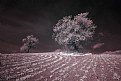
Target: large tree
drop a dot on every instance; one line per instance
(74, 33)
(29, 42)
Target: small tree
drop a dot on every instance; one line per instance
(74, 33)
(29, 42)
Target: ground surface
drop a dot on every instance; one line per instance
(55, 67)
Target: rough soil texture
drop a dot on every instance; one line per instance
(56, 67)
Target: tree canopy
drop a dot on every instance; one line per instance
(74, 32)
(29, 42)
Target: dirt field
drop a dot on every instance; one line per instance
(56, 67)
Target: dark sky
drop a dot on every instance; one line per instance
(19, 18)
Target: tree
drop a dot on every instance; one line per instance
(29, 42)
(74, 33)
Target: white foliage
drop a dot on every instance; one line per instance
(77, 29)
(29, 42)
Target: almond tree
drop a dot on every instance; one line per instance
(29, 42)
(73, 33)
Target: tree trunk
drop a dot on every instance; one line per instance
(28, 50)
